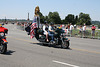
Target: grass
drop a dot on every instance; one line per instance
(88, 33)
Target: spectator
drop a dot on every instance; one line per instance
(71, 28)
(84, 30)
(17, 23)
(93, 30)
(75, 27)
(63, 26)
(66, 29)
(28, 28)
(80, 30)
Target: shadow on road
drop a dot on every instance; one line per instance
(58, 46)
(38, 44)
(9, 52)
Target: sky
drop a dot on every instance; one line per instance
(18, 9)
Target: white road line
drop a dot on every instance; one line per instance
(64, 63)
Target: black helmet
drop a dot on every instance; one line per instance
(45, 22)
(51, 23)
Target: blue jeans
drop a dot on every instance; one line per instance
(51, 34)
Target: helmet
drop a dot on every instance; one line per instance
(51, 23)
(45, 22)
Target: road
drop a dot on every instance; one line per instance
(26, 52)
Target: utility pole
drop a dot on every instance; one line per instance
(16, 20)
(5, 20)
(28, 18)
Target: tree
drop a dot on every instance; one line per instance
(46, 18)
(54, 17)
(63, 21)
(41, 17)
(84, 18)
(76, 19)
(69, 19)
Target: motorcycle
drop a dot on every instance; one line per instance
(3, 43)
(59, 39)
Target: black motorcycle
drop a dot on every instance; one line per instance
(59, 39)
(3, 43)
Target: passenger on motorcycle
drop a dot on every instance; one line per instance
(51, 31)
(2, 29)
(45, 29)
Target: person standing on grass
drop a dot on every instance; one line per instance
(84, 30)
(63, 27)
(80, 30)
(93, 30)
(75, 27)
(71, 28)
(66, 29)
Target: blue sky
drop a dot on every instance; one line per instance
(13, 9)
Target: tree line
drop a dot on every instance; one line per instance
(70, 18)
(54, 17)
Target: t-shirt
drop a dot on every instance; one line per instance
(84, 28)
(63, 27)
(71, 27)
(93, 28)
(68, 26)
(51, 28)
(44, 29)
(81, 29)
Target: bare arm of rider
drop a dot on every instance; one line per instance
(50, 29)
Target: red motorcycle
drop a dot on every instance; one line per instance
(3, 43)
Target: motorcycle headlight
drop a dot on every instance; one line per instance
(2, 34)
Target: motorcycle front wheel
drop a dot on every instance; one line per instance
(3, 48)
(65, 45)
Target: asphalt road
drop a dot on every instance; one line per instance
(26, 52)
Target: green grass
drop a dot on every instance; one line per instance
(88, 33)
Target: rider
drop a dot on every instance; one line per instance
(51, 31)
(45, 29)
(2, 29)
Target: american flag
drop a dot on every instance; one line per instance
(32, 33)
